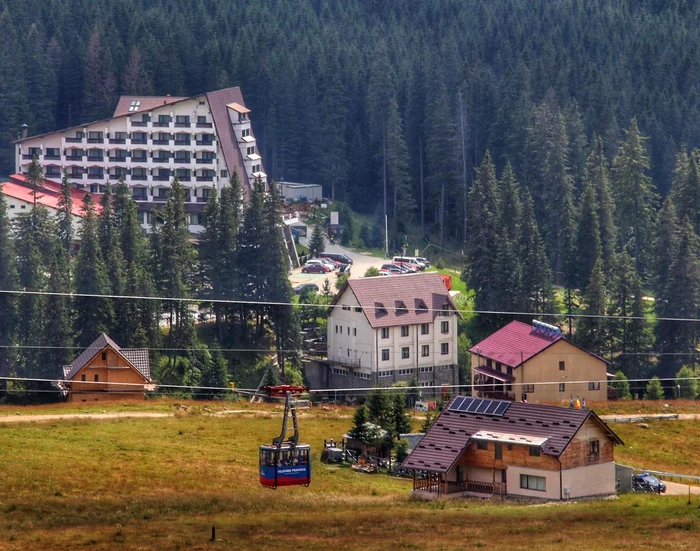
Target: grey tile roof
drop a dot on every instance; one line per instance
(138, 358)
(451, 431)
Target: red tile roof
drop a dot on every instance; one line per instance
(451, 431)
(218, 103)
(147, 103)
(399, 300)
(513, 344)
(516, 343)
(53, 189)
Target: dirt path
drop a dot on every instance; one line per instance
(64, 416)
(676, 489)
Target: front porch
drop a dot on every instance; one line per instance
(436, 485)
(492, 383)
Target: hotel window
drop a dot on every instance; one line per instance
(529, 482)
(562, 366)
(424, 329)
(445, 348)
(250, 150)
(245, 132)
(404, 330)
(445, 327)
(385, 354)
(594, 386)
(562, 387)
(425, 350)
(405, 353)
(385, 332)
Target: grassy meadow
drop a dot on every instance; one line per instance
(162, 483)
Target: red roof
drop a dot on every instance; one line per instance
(147, 103)
(18, 188)
(400, 300)
(516, 343)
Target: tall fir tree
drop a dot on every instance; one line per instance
(403, 204)
(66, 231)
(8, 302)
(635, 197)
(591, 329)
(588, 235)
(597, 174)
(666, 245)
(93, 315)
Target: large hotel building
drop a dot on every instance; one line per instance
(150, 140)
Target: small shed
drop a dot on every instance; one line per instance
(294, 191)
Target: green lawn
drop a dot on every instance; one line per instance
(162, 483)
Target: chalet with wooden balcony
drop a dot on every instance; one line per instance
(485, 447)
(104, 371)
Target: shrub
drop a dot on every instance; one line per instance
(654, 390)
(621, 386)
(440, 263)
(401, 449)
(372, 271)
(688, 387)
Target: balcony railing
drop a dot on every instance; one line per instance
(117, 140)
(52, 157)
(139, 123)
(98, 158)
(74, 158)
(187, 124)
(96, 140)
(139, 141)
(140, 197)
(183, 142)
(161, 178)
(205, 142)
(74, 140)
(28, 157)
(183, 161)
(118, 159)
(204, 125)
(95, 176)
(161, 124)
(161, 142)
(139, 177)
(161, 159)
(205, 178)
(351, 362)
(202, 199)
(53, 173)
(139, 159)
(160, 198)
(185, 178)
(205, 161)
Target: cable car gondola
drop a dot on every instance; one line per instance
(285, 462)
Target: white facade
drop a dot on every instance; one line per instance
(17, 207)
(388, 353)
(148, 148)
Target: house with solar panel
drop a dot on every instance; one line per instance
(104, 371)
(538, 363)
(483, 447)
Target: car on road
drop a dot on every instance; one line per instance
(646, 482)
(306, 288)
(332, 266)
(315, 269)
(338, 257)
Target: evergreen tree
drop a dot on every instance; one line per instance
(99, 94)
(597, 174)
(403, 204)
(135, 79)
(359, 427)
(621, 386)
(589, 242)
(635, 196)
(687, 195)
(317, 243)
(666, 246)
(654, 390)
(680, 300)
(35, 178)
(65, 215)
(590, 330)
(215, 374)
(427, 422)
(379, 408)
(401, 423)
(8, 302)
(93, 315)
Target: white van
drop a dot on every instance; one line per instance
(408, 260)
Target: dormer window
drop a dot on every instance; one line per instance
(401, 307)
(379, 308)
(134, 106)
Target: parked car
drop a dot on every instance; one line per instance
(424, 261)
(315, 269)
(410, 266)
(345, 269)
(338, 257)
(306, 287)
(392, 269)
(410, 260)
(646, 482)
(327, 263)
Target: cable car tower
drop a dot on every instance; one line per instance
(286, 462)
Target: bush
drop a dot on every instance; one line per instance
(372, 271)
(440, 263)
(687, 386)
(342, 278)
(401, 449)
(654, 390)
(365, 237)
(621, 386)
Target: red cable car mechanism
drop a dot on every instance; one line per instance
(285, 462)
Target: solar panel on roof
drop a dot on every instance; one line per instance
(475, 404)
(492, 407)
(467, 402)
(483, 406)
(457, 402)
(501, 409)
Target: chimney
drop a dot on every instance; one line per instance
(24, 131)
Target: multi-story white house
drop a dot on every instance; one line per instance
(201, 139)
(387, 329)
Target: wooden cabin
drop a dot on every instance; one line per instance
(486, 447)
(104, 371)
